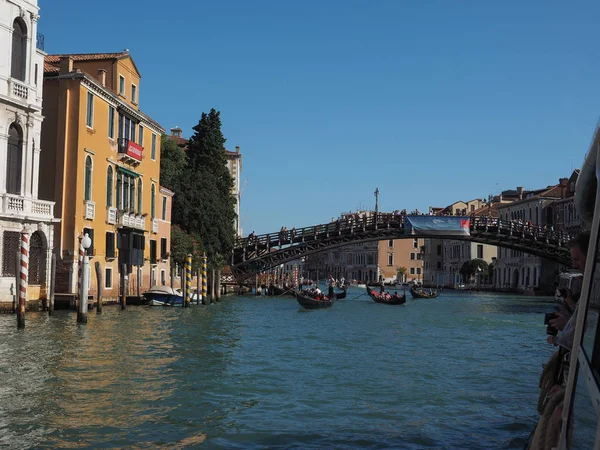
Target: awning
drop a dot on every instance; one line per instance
(131, 173)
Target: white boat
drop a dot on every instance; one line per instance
(163, 296)
(363, 286)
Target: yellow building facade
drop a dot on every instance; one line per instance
(101, 165)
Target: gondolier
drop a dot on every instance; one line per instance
(330, 284)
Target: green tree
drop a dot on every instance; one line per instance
(470, 268)
(207, 207)
(172, 164)
(401, 274)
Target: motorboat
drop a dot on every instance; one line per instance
(163, 296)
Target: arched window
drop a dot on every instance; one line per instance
(37, 258)
(153, 202)
(109, 186)
(19, 50)
(139, 196)
(132, 193)
(14, 159)
(87, 181)
(119, 190)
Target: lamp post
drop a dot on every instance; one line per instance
(86, 243)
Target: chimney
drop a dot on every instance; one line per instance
(102, 76)
(563, 182)
(520, 192)
(237, 148)
(66, 65)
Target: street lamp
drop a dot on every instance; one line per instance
(86, 243)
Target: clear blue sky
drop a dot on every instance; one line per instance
(431, 101)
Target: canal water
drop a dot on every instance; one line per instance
(457, 372)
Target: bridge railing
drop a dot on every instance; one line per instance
(351, 224)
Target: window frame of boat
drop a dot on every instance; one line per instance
(583, 367)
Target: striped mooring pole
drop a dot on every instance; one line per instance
(24, 277)
(204, 280)
(188, 279)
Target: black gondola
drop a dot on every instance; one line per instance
(312, 303)
(340, 295)
(423, 294)
(392, 301)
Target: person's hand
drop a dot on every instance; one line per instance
(560, 321)
(552, 340)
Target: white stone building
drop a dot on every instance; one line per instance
(21, 71)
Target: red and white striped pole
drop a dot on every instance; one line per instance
(24, 277)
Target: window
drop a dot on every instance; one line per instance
(480, 251)
(131, 193)
(110, 245)
(153, 152)
(164, 208)
(439, 265)
(35, 75)
(89, 117)
(439, 250)
(133, 93)
(152, 251)
(415, 243)
(87, 180)
(111, 122)
(119, 190)
(121, 85)
(141, 135)
(163, 249)
(108, 272)
(153, 201)
(391, 243)
(419, 257)
(418, 271)
(139, 196)
(14, 159)
(412, 270)
(412, 256)
(472, 208)
(163, 277)
(90, 233)
(19, 50)
(109, 186)
(390, 259)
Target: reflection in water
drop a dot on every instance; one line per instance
(457, 372)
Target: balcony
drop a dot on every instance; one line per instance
(16, 205)
(155, 226)
(132, 220)
(130, 152)
(18, 90)
(111, 215)
(90, 210)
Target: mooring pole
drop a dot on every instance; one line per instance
(123, 296)
(24, 274)
(98, 268)
(204, 280)
(188, 279)
(86, 242)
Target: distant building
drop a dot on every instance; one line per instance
(519, 271)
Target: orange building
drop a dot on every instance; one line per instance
(102, 168)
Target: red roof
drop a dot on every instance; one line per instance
(51, 62)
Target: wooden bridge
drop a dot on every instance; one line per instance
(257, 253)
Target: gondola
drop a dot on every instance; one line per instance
(392, 301)
(423, 294)
(340, 295)
(312, 303)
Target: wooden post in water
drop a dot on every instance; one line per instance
(212, 287)
(17, 281)
(218, 288)
(139, 283)
(172, 278)
(98, 268)
(198, 286)
(204, 280)
(123, 295)
(188, 280)
(52, 284)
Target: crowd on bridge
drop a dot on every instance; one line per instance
(351, 222)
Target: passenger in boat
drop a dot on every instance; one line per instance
(565, 321)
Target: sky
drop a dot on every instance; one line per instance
(431, 101)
